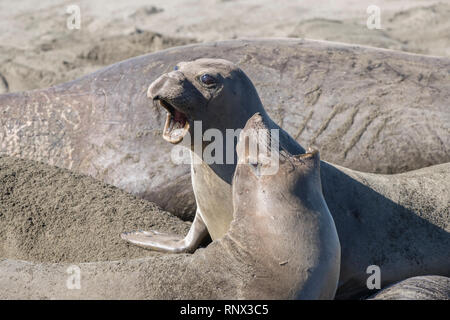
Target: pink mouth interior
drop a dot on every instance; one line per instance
(176, 125)
(180, 118)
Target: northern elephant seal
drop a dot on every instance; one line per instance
(398, 222)
(361, 105)
(282, 219)
(417, 288)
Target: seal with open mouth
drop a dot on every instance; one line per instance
(211, 91)
(398, 222)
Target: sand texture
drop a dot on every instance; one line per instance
(54, 215)
(38, 50)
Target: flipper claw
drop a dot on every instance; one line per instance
(156, 240)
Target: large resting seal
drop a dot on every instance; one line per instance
(368, 109)
(398, 222)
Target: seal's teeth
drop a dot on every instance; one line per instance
(177, 134)
(176, 126)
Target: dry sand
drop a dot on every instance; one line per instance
(37, 49)
(49, 214)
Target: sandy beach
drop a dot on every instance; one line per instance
(38, 50)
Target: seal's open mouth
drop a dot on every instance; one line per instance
(176, 125)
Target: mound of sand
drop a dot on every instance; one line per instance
(51, 62)
(53, 215)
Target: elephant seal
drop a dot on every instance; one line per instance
(100, 125)
(281, 244)
(282, 217)
(282, 220)
(417, 288)
(397, 222)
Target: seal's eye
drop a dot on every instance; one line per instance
(207, 79)
(175, 68)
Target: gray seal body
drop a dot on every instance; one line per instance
(417, 288)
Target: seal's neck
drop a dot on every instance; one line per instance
(224, 157)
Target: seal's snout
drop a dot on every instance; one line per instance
(155, 87)
(149, 93)
(162, 91)
(165, 84)
(257, 148)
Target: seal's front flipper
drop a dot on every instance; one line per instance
(170, 243)
(155, 240)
